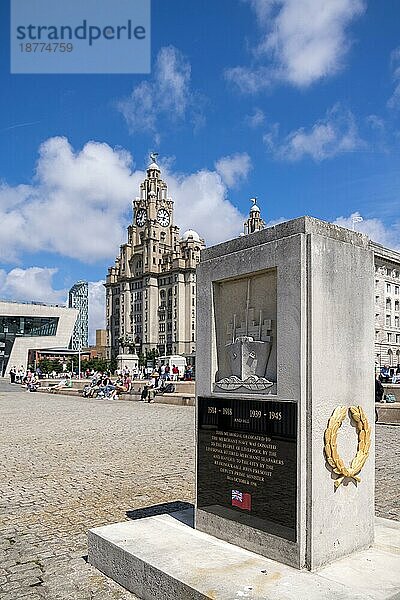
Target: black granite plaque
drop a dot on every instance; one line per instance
(246, 462)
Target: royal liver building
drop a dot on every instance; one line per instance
(151, 289)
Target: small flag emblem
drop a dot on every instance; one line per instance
(241, 500)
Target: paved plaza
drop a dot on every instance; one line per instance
(68, 464)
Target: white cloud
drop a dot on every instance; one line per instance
(168, 95)
(302, 42)
(201, 203)
(375, 229)
(234, 168)
(80, 201)
(76, 205)
(256, 119)
(34, 284)
(337, 133)
(97, 308)
(250, 80)
(394, 100)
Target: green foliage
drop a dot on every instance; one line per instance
(97, 364)
(150, 355)
(48, 366)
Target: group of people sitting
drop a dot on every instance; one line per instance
(25, 377)
(388, 375)
(20, 375)
(101, 386)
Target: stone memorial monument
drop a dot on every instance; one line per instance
(284, 432)
(286, 337)
(127, 358)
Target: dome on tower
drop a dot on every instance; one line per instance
(254, 208)
(190, 234)
(153, 166)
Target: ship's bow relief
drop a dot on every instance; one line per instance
(246, 350)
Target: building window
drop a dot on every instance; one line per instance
(29, 326)
(397, 338)
(396, 305)
(388, 321)
(376, 299)
(396, 321)
(388, 288)
(389, 337)
(396, 290)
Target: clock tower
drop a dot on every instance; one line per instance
(153, 218)
(150, 290)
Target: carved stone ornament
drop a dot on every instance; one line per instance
(248, 347)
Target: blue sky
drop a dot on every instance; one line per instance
(296, 102)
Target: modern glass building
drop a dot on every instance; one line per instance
(26, 326)
(78, 297)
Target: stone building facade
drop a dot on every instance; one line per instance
(387, 306)
(151, 288)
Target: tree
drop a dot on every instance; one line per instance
(97, 364)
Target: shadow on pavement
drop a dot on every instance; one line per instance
(182, 511)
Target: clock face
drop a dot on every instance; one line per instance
(163, 217)
(141, 217)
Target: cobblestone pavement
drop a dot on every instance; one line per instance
(68, 464)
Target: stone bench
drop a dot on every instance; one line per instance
(388, 414)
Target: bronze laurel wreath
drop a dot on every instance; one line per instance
(364, 442)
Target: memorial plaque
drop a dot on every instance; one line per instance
(246, 462)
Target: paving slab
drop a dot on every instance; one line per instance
(161, 557)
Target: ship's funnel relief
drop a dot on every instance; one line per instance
(248, 344)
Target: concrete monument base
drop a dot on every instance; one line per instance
(130, 361)
(161, 557)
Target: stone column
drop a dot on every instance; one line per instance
(300, 297)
